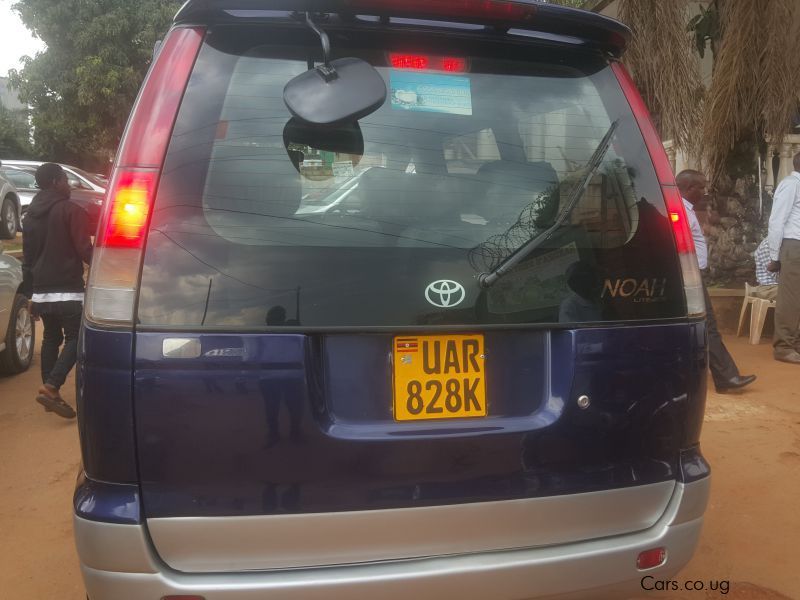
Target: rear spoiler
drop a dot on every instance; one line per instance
(592, 29)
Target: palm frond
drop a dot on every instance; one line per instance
(756, 75)
(665, 67)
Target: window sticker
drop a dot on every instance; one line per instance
(427, 92)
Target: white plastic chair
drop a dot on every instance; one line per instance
(757, 317)
(748, 300)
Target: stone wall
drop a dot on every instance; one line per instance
(733, 229)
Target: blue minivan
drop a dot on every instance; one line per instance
(390, 299)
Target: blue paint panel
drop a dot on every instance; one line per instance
(356, 369)
(106, 502)
(271, 424)
(105, 405)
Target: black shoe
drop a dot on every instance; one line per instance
(56, 405)
(735, 383)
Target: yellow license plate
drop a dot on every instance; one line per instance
(439, 377)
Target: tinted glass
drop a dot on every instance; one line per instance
(259, 223)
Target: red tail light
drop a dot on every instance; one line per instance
(114, 277)
(150, 127)
(408, 61)
(692, 282)
(129, 199)
(680, 223)
(454, 65)
(649, 559)
(427, 62)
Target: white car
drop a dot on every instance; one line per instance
(10, 209)
(17, 329)
(24, 179)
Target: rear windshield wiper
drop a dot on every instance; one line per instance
(488, 279)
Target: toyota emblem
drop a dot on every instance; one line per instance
(445, 293)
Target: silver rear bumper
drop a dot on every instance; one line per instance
(118, 563)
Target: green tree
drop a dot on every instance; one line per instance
(82, 87)
(14, 135)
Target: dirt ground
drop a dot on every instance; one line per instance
(752, 441)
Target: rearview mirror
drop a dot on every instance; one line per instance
(355, 91)
(336, 92)
(344, 140)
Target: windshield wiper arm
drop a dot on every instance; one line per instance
(488, 279)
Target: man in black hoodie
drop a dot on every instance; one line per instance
(56, 244)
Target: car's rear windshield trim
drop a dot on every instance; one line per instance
(600, 31)
(408, 329)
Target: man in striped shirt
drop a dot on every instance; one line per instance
(767, 288)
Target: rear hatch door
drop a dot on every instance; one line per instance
(320, 378)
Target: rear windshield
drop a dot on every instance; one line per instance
(476, 151)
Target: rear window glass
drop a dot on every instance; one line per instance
(472, 155)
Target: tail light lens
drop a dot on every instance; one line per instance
(130, 198)
(114, 277)
(423, 62)
(409, 61)
(150, 126)
(692, 282)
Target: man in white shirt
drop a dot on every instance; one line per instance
(692, 185)
(784, 249)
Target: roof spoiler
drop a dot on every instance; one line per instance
(596, 30)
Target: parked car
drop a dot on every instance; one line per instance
(87, 190)
(24, 179)
(102, 179)
(10, 209)
(17, 329)
(479, 374)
